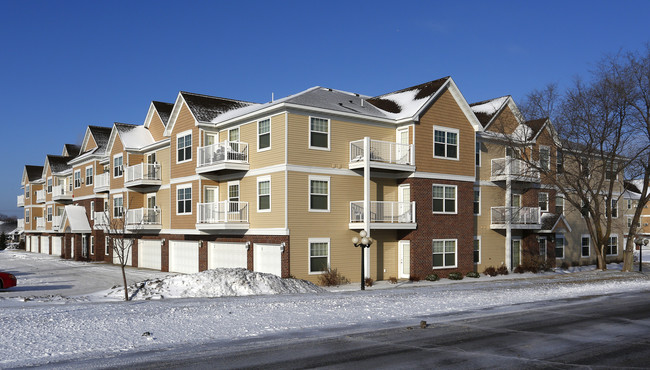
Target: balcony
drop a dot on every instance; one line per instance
(383, 155)
(100, 220)
(102, 182)
(20, 202)
(224, 215)
(143, 174)
(21, 224)
(40, 196)
(384, 215)
(40, 223)
(61, 194)
(227, 155)
(143, 219)
(56, 223)
(520, 218)
(519, 171)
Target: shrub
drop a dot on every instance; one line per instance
(392, 280)
(455, 275)
(531, 264)
(473, 274)
(332, 278)
(432, 277)
(564, 265)
(369, 281)
(414, 278)
(519, 269)
(502, 270)
(490, 271)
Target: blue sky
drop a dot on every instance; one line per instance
(65, 65)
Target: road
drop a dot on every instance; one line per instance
(611, 331)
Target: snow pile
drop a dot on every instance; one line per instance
(216, 283)
(489, 107)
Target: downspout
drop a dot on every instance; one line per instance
(366, 201)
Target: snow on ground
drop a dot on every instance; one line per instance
(50, 328)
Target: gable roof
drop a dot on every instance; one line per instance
(71, 150)
(409, 101)
(56, 163)
(205, 108)
(33, 173)
(537, 125)
(133, 136)
(76, 219)
(164, 110)
(552, 222)
(486, 110)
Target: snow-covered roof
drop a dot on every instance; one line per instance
(100, 135)
(76, 217)
(58, 163)
(486, 109)
(164, 110)
(205, 108)
(409, 101)
(134, 136)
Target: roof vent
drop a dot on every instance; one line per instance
(350, 101)
(329, 89)
(341, 104)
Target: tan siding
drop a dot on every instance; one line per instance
(273, 219)
(492, 241)
(445, 112)
(117, 183)
(490, 151)
(267, 157)
(164, 202)
(184, 221)
(157, 128)
(162, 156)
(184, 122)
(91, 143)
(505, 122)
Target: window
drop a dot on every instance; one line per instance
(26, 216)
(629, 203)
(106, 245)
(264, 134)
(118, 168)
(26, 191)
(585, 245)
(319, 249)
(49, 185)
(610, 172)
(89, 176)
(544, 158)
(477, 249)
(319, 137)
(614, 204)
(49, 213)
(184, 147)
(559, 162)
(233, 196)
(543, 201)
(478, 154)
(559, 246)
(629, 222)
(444, 198)
(70, 184)
(184, 199)
(92, 244)
(77, 179)
(319, 190)
(611, 249)
(559, 204)
(264, 194)
(477, 201)
(584, 167)
(444, 253)
(233, 135)
(118, 206)
(542, 248)
(445, 143)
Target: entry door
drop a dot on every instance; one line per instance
(403, 154)
(516, 253)
(404, 251)
(404, 199)
(84, 246)
(211, 213)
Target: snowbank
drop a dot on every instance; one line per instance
(215, 283)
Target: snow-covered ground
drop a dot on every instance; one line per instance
(77, 316)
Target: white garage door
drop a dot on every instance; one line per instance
(227, 255)
(35, 244)
(183, 256)
(45, 245)
(267, 258)
(128, 248)
(28, 244)
(56, 245)
(149, 254)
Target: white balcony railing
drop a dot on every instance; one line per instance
(518, 215)
(40, 196)
(223, 152)
(143, 171)
(21, 224)
(56, 223)
(103, 180)
(40, 223)
(20, 202)
(383, 151)
(518, 169)
(143, 216)
(100, 219)
(222, 212)
(384, 212)
(61, 191)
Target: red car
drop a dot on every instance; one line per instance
(7, 280)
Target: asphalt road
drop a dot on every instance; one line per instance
(611, 331)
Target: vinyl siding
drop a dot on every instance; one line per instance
(184, 122)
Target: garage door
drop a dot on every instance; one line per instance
(116, 260)
(35, 244)
(227, 255)
(56, 245)
(149, 254)
(28, 244)
(267, 258)
(183, 256)
(45, 244)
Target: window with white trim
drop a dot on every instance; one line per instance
(542, 248)
(611, 249)
(477, 201)
(233, 196)
(319, 133)
(545, 158)
(585, 245)
(264, 134)
(559, 246)
(233, 134)
(319, 255)
(27, 191)
(264, 194)
(478, 154)
(559, 162)
(184, 147)
(444, 198)
(444, 253)
(77, 179)
(445, 143)
(92, 244)
(27, 216)
(543, 201)
(629, 204)
(477, 250)
(319, 190)
(49, 213)
(559, 204)
(118, 166)
(49, 185)
(614, 208)
(106, 245)
(89, 176)
(118, 206)
(184, 199)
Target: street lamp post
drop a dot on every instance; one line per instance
(365, 242)
(641, 242)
